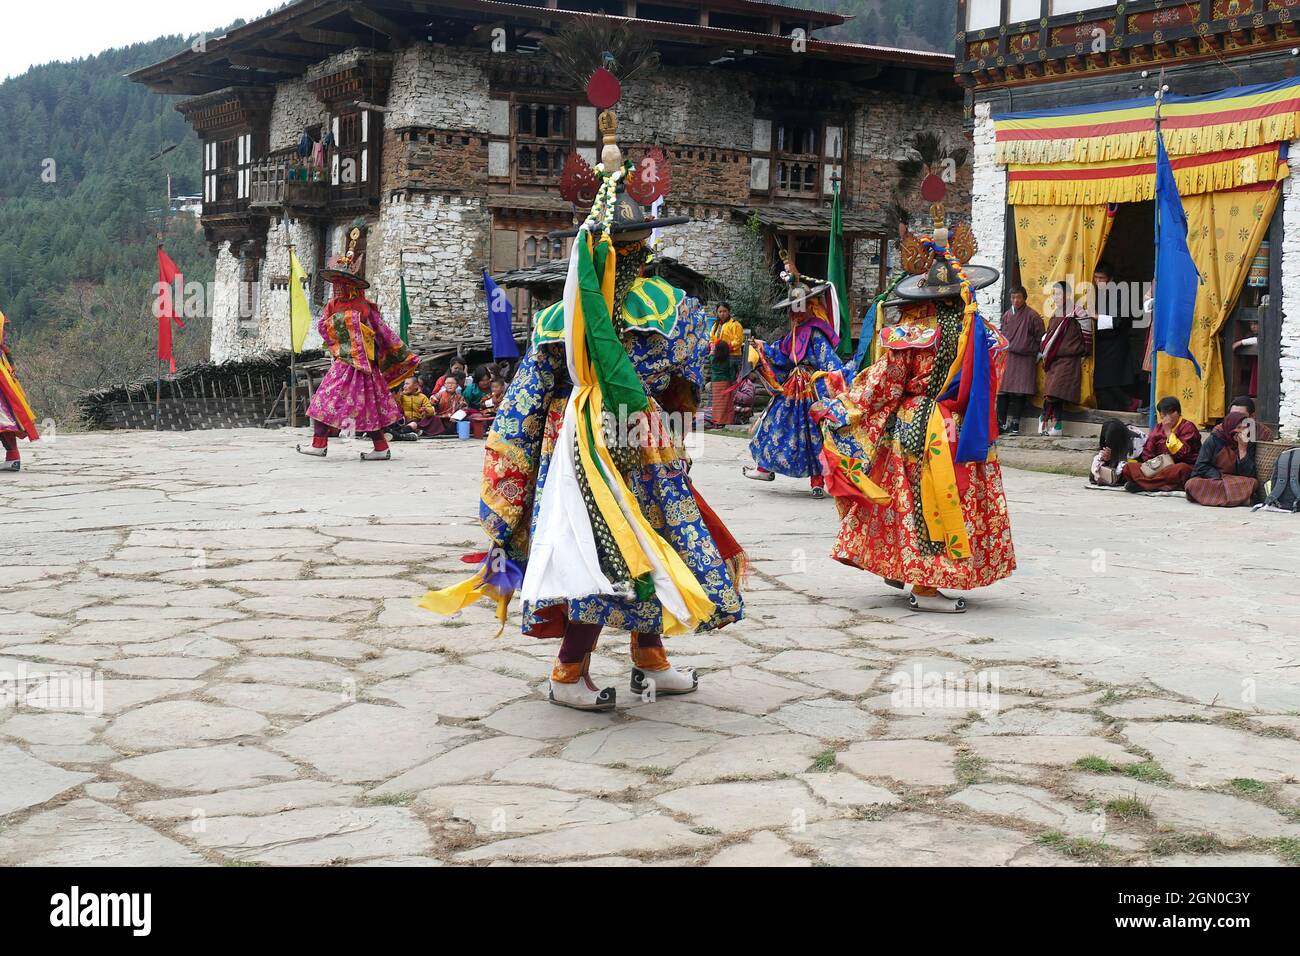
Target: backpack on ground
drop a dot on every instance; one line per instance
(1284, 493)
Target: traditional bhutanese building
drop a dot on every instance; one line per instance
(443, 126)
(1060, 95)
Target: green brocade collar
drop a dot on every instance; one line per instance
(651, 306)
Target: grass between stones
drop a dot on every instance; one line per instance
(1129, 808)
(1148, 771)
(1077, 848)
(824, 761)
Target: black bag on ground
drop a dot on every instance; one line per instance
(1285, 488)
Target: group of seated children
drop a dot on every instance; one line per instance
(1219, 472)
(431, 406)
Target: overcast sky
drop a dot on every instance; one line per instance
(38, 32)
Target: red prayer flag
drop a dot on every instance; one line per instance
(169, 280)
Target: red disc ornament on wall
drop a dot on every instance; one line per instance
(603, 89)
(933, 189)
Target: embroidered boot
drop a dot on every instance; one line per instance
(571, 686)
(652, 673)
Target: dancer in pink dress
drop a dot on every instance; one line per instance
(369, 362)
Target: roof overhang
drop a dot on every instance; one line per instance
(284, 44)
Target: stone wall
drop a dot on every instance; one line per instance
(273, 300)
(1289, 410)
(708, 174)
(674, 105)
(440, 244)
(226, 341)
(883, 129)
(435, 160)
(440, 87)
(706, 244)
(989, 209)
(294, 109)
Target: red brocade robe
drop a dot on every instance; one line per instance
(885, 537)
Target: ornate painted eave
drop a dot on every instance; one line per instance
(235, 107)
(1139, 33)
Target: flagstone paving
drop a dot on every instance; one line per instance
(210, 654)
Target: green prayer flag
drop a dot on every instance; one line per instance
(835, 268)
(404, 322)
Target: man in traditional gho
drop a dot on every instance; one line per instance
(370, 360)
(1022, 327)
(586, 496)
(909, 443)
(787, 440)
(16, 419)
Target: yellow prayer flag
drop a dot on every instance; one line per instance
(299, 310)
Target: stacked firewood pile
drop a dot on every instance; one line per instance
(238, 394)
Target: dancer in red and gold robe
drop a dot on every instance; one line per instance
(909, 444)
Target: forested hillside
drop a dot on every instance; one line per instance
(80, 198)
(914, 24)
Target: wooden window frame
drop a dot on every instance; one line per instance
(516, 140)
(778, 157)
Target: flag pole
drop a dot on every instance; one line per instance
(1155, 352)
(292, 393)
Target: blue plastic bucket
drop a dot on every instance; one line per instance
(462, 429)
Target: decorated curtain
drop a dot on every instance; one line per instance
(1228, 151)
(1055, 243)
(1224, 230)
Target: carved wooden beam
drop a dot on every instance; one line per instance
(268, 63)
(378, 22)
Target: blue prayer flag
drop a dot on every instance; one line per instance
(500, 320)
(1176, 275)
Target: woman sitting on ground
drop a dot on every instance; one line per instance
(1112, 460)
(1224, 473)
(1169, 453)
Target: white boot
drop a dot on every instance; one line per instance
(581, 694)
(312, 451)
(669, 681)
(758, 474)
(385, 455)
(15, 465)
(939, 603)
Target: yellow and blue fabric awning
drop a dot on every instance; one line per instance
(1238, 118)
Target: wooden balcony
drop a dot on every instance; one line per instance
(279, 184)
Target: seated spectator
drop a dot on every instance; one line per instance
(476, 390)
(419, 417)
(1117, 447)
(429, 385)
(492, 401)
(457, 365)
(1246, 405)
(449, 400)
(744, 400)
(1166, 460)
(1224, 473)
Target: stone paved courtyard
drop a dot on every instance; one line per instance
(268, 693)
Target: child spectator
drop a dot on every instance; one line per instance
(449, 399)
(492, 401)
(419, 417)
(457, 365)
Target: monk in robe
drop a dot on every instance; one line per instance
(1174, 436)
